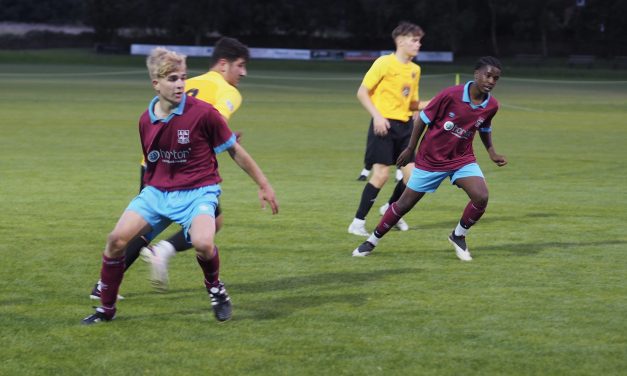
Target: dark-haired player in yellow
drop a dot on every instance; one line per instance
(389, 92)
(219, 88)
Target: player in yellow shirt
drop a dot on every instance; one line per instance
(389, 92)
(217, 87)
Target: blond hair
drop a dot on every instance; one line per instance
(161, 62)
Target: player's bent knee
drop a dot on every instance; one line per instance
(481, 201)
(205, 254)
(204, 248)
(401, 207)
(116, 244)
(378, 180)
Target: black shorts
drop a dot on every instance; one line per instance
(386, 149)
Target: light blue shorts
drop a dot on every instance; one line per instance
(160, 208)
(429, 181)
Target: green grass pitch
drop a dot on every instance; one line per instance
(545, 294)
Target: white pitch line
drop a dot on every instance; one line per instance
(81, 74)
(328, 78)
(539, 80)
(302, 78)
(520, 108)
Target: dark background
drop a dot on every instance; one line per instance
(549, 28)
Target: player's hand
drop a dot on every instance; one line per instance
(499, 159)
(266, 194)
(404, 158)
(381, 126)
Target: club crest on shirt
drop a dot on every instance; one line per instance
(405, 91)
(479, 122)
(183, 136)
(451, 115)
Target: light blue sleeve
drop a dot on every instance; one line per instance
(424, 118)
(230, 142)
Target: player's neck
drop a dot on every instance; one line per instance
(476, 96)
(220, 73)
(402, 57)
(164, 108)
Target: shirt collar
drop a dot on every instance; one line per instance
(177, 111)
(466, 97)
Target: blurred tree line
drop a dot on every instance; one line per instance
(466, 27)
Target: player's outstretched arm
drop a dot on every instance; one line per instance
(248, 164)
(486, 138)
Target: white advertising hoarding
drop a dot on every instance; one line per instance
(294, 54)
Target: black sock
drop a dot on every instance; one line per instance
(368, 198)
(398, 191)
(179, 242)
(132, 250)
(142, 172)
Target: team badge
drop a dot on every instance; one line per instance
(406, 91)
(451, 115)
(183, 136)
(449, 125)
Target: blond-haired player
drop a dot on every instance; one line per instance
(180, 137)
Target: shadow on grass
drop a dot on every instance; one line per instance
(320, 280)
(262, 308)
(321, 287)
(530, 249)
(317, 281)
(419, 226)
(273, 308)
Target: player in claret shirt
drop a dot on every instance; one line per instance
(217, 87)
(180, 137)
(451, 120)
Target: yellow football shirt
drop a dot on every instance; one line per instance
(393, 86)
(212, 88)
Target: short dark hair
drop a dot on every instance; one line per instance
(230, 49)
(488, 60)
(407, 28)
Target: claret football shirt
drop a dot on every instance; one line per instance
(212, 88)
(452, 120)
(180, 150)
